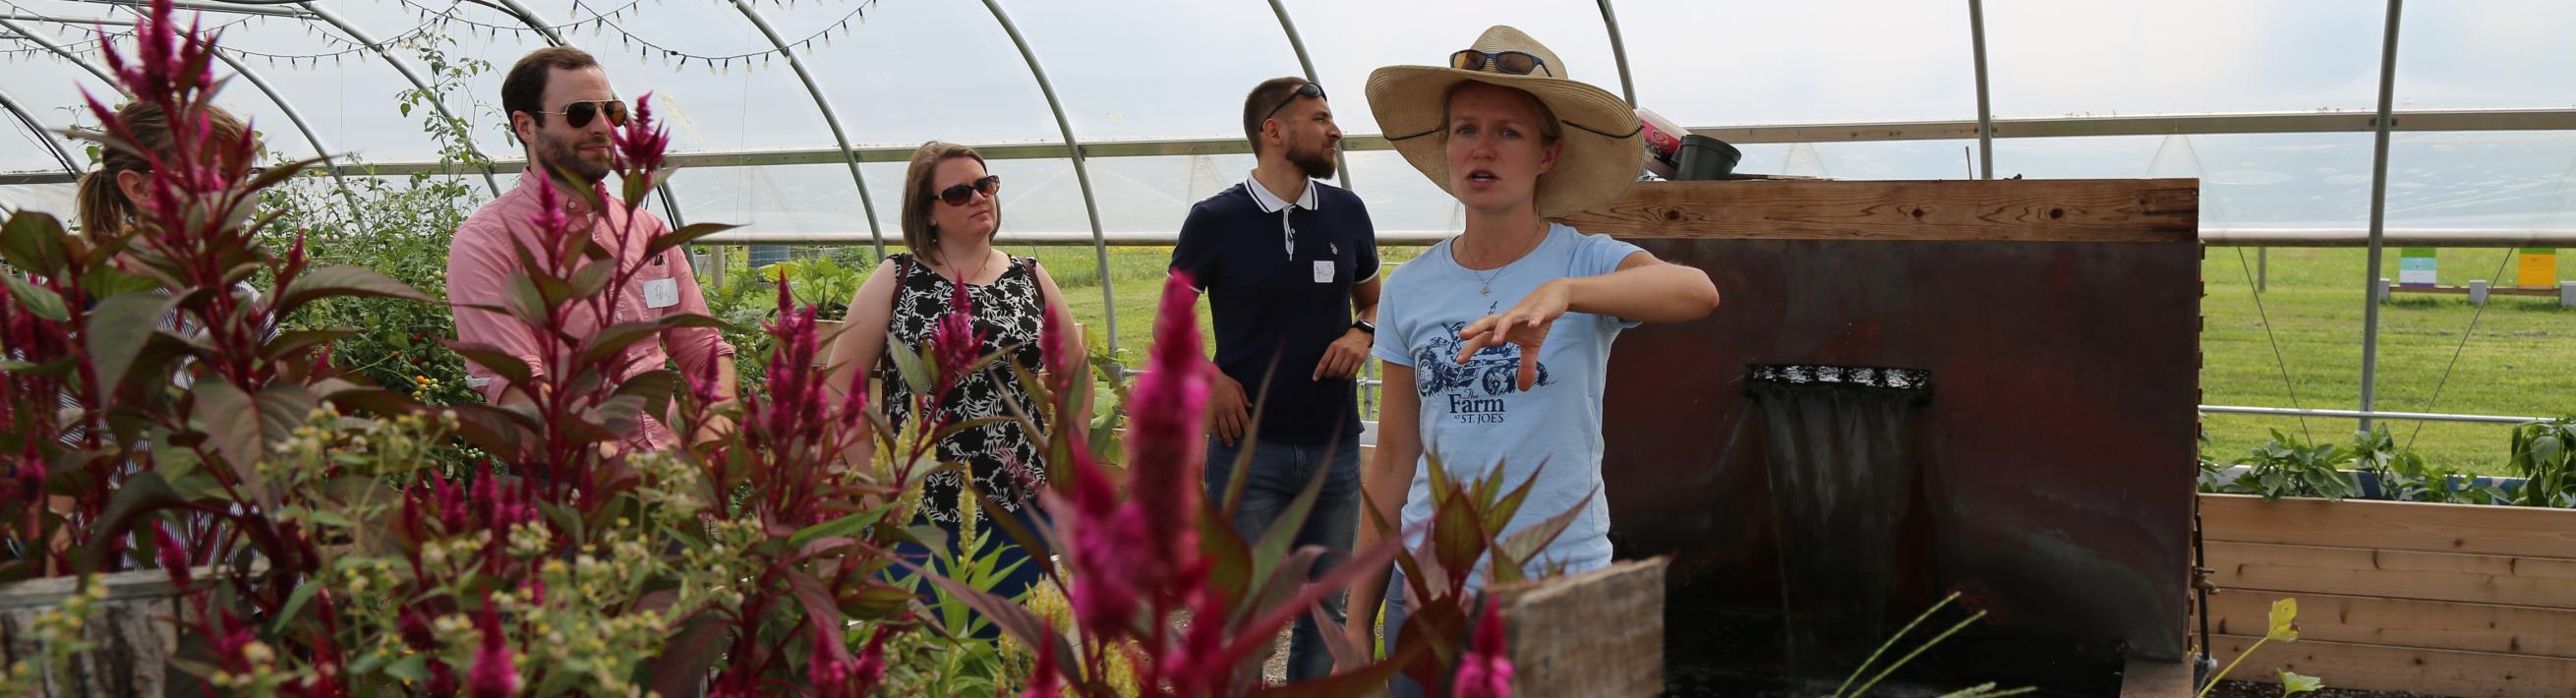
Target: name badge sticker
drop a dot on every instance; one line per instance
(1323, 271)
(661, 293)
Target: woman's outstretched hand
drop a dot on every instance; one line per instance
(1525, 324)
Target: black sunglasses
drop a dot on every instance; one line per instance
(960, 194)
(1305, 90)
(1512, 62)
(577, 114)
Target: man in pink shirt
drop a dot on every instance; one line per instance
(563, 111)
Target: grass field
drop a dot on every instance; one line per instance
(2520, 361)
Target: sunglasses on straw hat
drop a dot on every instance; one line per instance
(577, 114)
(1508, 62)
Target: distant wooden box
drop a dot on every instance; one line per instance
(130, 631)
(1600, 633)
(2440, 599)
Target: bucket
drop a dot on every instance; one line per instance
(1706, 158)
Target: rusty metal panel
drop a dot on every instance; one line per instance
(2056, 458)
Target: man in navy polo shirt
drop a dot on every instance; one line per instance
(1289, 265)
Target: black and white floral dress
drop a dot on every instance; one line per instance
(1008, 314)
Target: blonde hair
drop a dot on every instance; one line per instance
(101, 204)
(918, 196)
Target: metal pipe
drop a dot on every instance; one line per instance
(1340, 155)
(832, 119)
(1618, 52)
(405, 69)
(215, 7)
(2368, 415)
(2410, 237)
(53, 143)
(1985, 107)
(2378, 210)
(1081, 174)
(2234, 237)
(2199, 124)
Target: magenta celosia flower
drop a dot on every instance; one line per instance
(1051, 349)
(550, 220)
(494, 674)
(871, 667)
(173, 556)
(795, 397)
(231, 638)
(1163, 424)
(829, 669)
(1486, 670)
(1044, 682)
(413, 626)
(639, 143)
(954, 343)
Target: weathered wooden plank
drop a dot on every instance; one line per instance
(1600, 633)
(130, 632)
(2082, 210)
(2255, 568)
(2446, 528)
(2378, 668)
(2527, 630)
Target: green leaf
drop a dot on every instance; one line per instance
(2285, 613)
(44, 303)
(508, 366)
(838, 528)
(413, 668)
(295, 602)
(232, 426)
(683, 236)
(32, 242)
(291, 342)
(587, 280)
(2294, 683)
(907, 364)
(141, 495)
(1527, 542)
(283, 407)
(330, 282)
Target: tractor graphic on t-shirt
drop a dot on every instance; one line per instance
(1491, 370)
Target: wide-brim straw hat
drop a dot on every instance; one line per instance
(1604, 151)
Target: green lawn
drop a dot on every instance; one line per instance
(2521, 361)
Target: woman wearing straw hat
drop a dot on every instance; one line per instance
(1504, 331)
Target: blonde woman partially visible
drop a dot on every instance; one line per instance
(105, 201)
(106, 197)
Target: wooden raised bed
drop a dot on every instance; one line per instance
(1600, 633)
(2444, 599)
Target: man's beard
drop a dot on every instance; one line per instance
(1317, 163)
(559, 153)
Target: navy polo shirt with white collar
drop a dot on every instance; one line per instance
(1278, 277)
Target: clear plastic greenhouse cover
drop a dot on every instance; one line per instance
(899, 72)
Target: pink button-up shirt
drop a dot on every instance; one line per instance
(482, 266)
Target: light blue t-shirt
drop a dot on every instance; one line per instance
(1474, 417)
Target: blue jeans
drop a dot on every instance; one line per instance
(1271, 482)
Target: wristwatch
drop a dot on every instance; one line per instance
(1364, 326)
